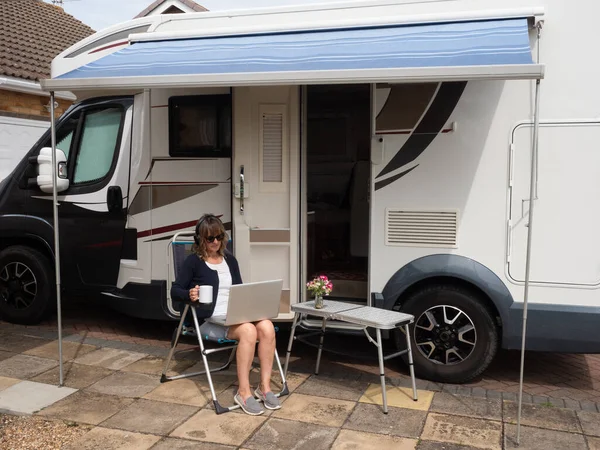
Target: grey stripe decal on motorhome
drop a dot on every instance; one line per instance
(163, 195)
(430, 126)
(390, 180)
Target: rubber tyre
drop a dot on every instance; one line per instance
(44, 299)
(487, 333)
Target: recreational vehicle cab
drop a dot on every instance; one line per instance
(385, 144)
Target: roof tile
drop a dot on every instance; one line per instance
(32, 33)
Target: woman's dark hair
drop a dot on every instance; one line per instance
(209, 225)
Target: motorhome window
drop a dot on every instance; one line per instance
(402, 105)
(64, 135)
(99, 139)
(200, 126)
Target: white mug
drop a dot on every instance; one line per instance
(205, 294)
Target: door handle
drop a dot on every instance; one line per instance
(242, 189)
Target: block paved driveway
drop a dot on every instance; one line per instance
(114, 399)
(571, 377)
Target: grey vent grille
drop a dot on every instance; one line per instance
(406, 227)
(272, 148)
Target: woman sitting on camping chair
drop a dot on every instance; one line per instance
(211, 264)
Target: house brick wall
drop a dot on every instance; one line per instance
(29, 106)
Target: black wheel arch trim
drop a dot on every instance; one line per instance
(450, 266)
(15, 227)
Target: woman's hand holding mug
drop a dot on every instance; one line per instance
(195, 293)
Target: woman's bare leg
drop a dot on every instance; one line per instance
(246, 335)
(266, 350)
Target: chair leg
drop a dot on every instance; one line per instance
(284, 386)
(164, 377)
(204, 359)
(411, 365)
(381, 371)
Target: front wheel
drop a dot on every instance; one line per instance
(26, 285)
(454, 337)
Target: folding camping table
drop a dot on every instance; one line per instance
(365, 316)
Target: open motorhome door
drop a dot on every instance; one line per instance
(266, 183)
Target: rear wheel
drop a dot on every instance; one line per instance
(26, 285)
(454, 337)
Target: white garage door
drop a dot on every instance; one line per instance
(16, 138)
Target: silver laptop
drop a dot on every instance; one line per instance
(251, 302)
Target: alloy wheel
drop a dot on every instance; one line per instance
(445, 335)
(18, 285)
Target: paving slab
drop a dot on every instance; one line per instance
(227, 429)
(5, 355)
(187, 391)
(153, 365)
(110, 358)
(125, 384)
(6, 382)
(397, 422)
(357, 440)
(294, 380)
(400, 397)
(431, 445)
(25, 366)
(77, 376)
(539, 439)
(318, 410)
(467, 406)
(147, 416)
(184, 444)
(590, 422)
(28, 397)
(277, 434)
(87, 407)
(333, 388)
(541, 416)
(107, 439)
(479, 433)
(18, 343)
(593, 443)
(70, 350)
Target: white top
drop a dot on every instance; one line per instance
(224, 286)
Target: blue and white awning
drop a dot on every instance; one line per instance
(438, 51)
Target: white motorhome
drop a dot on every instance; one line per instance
(385, 144)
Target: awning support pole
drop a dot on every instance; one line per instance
(56, 239)
(532, 189)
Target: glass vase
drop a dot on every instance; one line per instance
(318, 301)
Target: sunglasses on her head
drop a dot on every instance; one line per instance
(219, 238)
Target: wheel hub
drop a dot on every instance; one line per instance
(14, 286)
(445, 335)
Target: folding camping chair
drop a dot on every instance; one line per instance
(177, 250)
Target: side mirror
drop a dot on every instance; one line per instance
(114, 199)
(45, 171)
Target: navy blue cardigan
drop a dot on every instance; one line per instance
(195, 272)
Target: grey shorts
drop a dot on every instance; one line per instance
(212, 331)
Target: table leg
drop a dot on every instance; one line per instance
(381, 370)
(411, 366)
(289, 348)
(320, 346)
